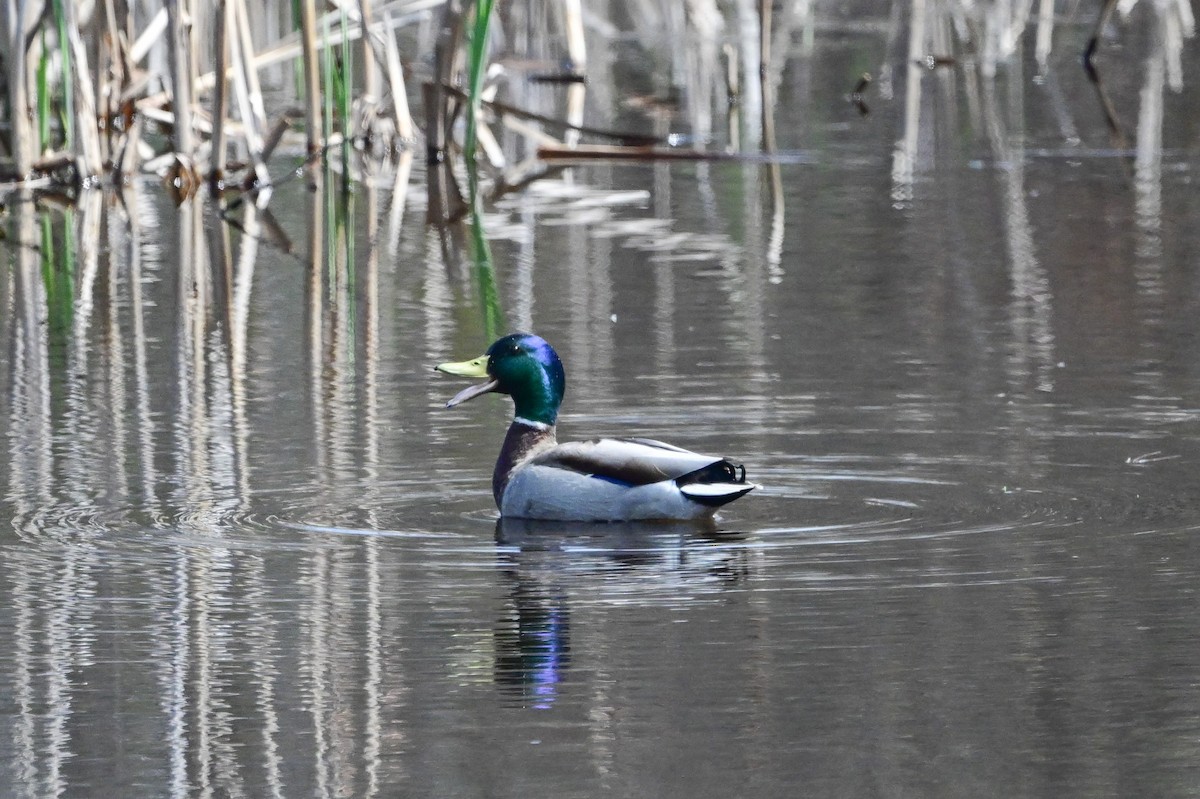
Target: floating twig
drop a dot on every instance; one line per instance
(1093, 43)
(604, 152)
(501, 108)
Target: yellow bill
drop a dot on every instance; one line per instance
(476, 367)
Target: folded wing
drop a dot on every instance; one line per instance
(641, 461)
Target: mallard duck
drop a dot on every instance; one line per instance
(605, 479)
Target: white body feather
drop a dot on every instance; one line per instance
(546, 492)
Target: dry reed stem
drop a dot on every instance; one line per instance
(88, 131)
(517, 125)
(445, 199)
(221, 94)
(502, 109)
(446, 53)
(249, 93)
(20, 113)
(275, 135)
(404, 122)
(372, 61)
(312, 85)
(576, 43)
(606, 152)
(491, 148)
(150, 37)
(126, 157)
(178, 40)
(381, 39)
(764, 68)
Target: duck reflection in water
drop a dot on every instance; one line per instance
(540, 560)
(533, 643)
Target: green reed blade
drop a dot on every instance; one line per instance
(43, 98)
(64, 47)
(485, 275)
(345, 74)
(476, 66)
(327, 83)
(298, 63)
(58, 274)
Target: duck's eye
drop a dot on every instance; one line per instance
(514, 349)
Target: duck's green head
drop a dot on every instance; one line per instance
(521, 365)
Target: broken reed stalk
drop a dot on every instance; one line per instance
(381, 39)
(85, 99)
(249, 92)
(503, 109)
(404, 122)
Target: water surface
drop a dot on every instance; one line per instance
(246, 552)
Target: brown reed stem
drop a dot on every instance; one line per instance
(371, 62)
(221, 94)
(446, 53)
(178, 41)
(312, 84)
(88, 132)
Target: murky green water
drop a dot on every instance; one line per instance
(247, 553)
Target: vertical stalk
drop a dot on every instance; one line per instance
(254, 115)
(764, 71)
(64, 19)
(445, 53)
(404, 123)
(18, 88)
(181, 69)
(312, 84)
(371, 82)
(41, 81)
(345, 81)
(477, 61)
(84, 95)
(221, 95)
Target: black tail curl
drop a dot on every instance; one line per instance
(722, 471)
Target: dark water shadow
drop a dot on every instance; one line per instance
(546, 565)
(613, 537)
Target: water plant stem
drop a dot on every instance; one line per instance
(312, 81)
(476, 67)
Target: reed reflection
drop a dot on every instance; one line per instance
(91, 464)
